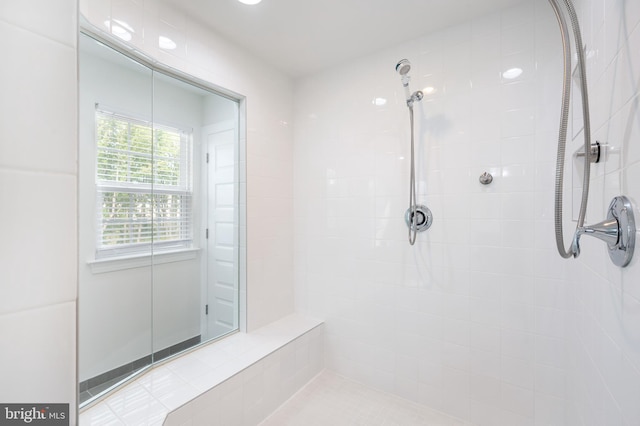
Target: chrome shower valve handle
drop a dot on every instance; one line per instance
(618, 230)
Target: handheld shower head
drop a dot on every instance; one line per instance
(403, 67)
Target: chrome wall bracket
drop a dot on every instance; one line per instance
(618, 230)
(424, 218)
(594, 153)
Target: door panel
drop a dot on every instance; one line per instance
(222, 253)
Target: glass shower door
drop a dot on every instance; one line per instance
(115, 218)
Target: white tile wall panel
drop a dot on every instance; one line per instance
(39, 109)
(38, 142)
(56, 22)
(27, 375)
(38, 248)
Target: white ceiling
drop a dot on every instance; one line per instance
(303, 36)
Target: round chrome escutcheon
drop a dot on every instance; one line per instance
(423, 215)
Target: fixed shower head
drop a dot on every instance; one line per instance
(403, 67)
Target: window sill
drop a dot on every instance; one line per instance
(100, 266)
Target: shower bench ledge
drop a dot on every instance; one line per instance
(243, 376)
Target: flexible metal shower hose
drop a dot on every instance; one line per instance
(562, 136)
(413, 229)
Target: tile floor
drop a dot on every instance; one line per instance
(330, 399)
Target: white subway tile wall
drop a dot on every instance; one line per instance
(481, 318)
(603, 321)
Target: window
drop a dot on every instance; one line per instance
(143, 185)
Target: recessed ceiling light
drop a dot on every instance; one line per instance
(430, 90)
(512, 73)
(166, 43)
(250, 2)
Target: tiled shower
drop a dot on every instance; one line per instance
(472, 319)
(481, 318)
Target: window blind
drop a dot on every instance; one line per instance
(143, 186)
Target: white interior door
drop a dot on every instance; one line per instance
(222, 229)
